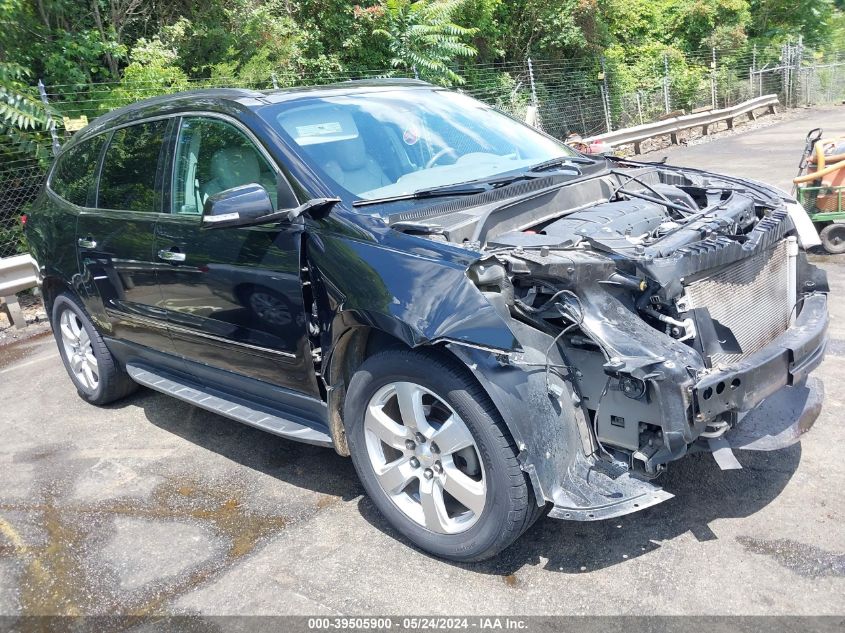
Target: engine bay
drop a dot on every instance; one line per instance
(641, 276)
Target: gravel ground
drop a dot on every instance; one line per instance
(36, 318)
(151, 506)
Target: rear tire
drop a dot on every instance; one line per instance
(465, 499)
(95, 373)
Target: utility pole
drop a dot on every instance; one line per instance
(667, 104)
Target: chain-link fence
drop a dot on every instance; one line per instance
(581, 96)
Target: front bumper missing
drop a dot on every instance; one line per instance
(593, 492)
(780, 420)
(786, 361)
(554, 451)
(771, 386)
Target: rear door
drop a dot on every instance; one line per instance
(233, 297)
(115, 239)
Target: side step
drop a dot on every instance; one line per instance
(270, 422)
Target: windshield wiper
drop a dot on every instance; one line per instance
(481, 185)
(560, 161)
(460, 189)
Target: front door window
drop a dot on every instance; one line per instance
(212, 156)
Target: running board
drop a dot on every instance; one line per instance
(270, 422)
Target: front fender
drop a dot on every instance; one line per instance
(556, 447)
(416, 295)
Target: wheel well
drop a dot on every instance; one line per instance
(51, 287)
(352, 348)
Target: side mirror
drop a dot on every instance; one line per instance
(238, 206)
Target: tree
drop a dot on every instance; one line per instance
(152, 71)
(21, 116)
(423, 37)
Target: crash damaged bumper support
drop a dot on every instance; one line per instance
(556, 448)
(780, 420)
(786, 361)
(592, 492)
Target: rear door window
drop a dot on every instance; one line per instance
(75, 173)
(128, 177)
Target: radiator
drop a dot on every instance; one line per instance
(750, 302)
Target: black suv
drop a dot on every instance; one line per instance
(489, 323)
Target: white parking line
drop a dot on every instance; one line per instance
(32, 361)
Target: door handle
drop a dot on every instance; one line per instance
(87, 242)
(171, 255)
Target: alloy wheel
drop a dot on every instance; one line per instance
(78, 350)
(425, 458)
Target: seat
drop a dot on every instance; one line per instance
(352, 167)
(232, 167)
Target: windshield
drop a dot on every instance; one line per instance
(385, 144)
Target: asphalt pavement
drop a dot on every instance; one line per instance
(151, 506)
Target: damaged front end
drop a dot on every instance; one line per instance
(655, 309)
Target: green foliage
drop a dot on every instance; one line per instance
(99, 54)
(22, 116)
(76, 59)
(12, 238)
(152, 70)
(779, 20)
(424, 39)
(710, 23)
(643, 67)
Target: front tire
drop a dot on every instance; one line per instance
(95, 373)
(435, 456)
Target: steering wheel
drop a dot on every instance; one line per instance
(443, 152)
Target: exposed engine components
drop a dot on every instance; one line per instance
(683, 330)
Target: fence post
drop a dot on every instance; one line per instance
(533, 87)
(713, 79)
(51, 123)
(275, 81)
(799, 54)
(640, 106)
(605, 98)
(784, 62)
(581, 116)
(751, 70)
(666, 101)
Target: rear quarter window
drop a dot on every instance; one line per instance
(75, 173)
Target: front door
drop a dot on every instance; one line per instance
(116, 238)
(233, 297)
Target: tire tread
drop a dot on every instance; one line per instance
(524, 510)
(115, 381)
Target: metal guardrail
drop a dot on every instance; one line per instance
(671, 126)
(17, 273)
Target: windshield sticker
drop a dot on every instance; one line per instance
(319, 129)
(410, 135)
